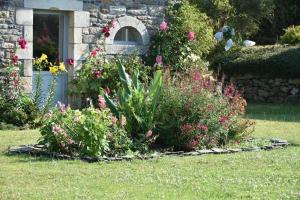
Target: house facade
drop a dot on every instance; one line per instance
(71, 29)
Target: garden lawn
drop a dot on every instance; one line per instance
(251, 175)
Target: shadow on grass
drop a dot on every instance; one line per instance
(273, 112)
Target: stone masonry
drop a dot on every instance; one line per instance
(271, 90)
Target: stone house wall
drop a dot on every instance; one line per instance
(86, 19)
(271, 90)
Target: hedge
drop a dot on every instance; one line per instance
(274, 61)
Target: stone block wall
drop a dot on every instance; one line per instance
(271, 90)
(150, 12)
(86, 19)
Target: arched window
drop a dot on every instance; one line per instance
(128, 35)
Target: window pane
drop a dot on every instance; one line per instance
(128, 35)
(46, 36)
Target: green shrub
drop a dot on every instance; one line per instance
(268, 61)
(291, 35)
(193, 113)
(89, 132)
(173, 43)
(98, 73)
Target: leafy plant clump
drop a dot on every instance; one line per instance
(186, 38)
(291, 35)
(89, 132)
(194, 113)
(137, 104)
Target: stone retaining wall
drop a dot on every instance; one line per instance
(271, 90)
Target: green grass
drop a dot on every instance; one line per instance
(251, 175)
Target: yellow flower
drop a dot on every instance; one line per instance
(44, 57)
(53, 70)
(38, 61)
(62, 67)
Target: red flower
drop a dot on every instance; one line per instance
(98, 74)
(22, 43)
(107, 90)
(14, 58)
(106, 30)
(229, 91)
(70, 61)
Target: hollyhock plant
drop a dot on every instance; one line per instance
(113, 23)
(163, 26)
(98, 74)
(22, 43)
(95, 52)
(14, 58)
(191, 36)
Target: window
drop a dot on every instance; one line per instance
(49, 36)
(128, 35)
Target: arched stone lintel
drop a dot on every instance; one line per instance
(132, 22)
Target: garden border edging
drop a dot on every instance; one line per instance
(37, 150)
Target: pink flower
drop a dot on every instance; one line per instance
(223, 119)
(191, 36)
(229, 91)
(61, 107)
(159, 60)
(163, 26)
(70, 61)
(149, 134)
(114, 120)
(123, 120)
(102, 102)
(186, 128)
(202, 127)
(94, 53)
(22, 43)
(98, 74)
(113, 23)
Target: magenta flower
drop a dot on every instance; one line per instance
(191, 36)
(149, 134)
(98, 74)
(22, 43)
(159, 60)
(163, 26)
(102, 102)
(107, 90)
(94, 53)
(70, 61)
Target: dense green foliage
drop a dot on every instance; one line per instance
(291, 35)
(89, 132)
(138, 104)
(268, 61)
(177, 49)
